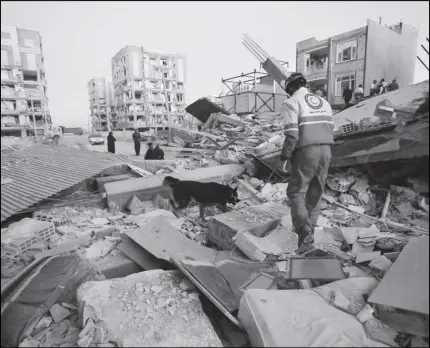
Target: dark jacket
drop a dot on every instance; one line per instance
(111, 143)
(347, 95)
(392, 86)
(158, 153)
(149, 155)
(137, 137)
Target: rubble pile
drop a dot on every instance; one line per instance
(148, 309)
(59, 328)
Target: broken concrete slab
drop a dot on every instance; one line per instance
(147, 188)
(263, 315)
(406, 284)
(117, 265)
(257, 220)
(280, 241)
(139, 255)
(102, 181)
(159, 238)
(135, 316)
(381, 264)
(98, 249)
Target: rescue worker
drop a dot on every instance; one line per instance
(306, 154)
(137, 141)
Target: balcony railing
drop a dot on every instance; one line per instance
(316, 68)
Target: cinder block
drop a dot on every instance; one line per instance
(256, 219)
(145, 189)
(102, 181)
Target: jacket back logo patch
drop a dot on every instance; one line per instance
(313, 101)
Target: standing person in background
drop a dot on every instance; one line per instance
(325, 92)
(306, 154)
(347, 95)
(373, 88)
(359, 93)
(382, 86)
(393, 86)
(137, 141)
(111, 142)
(319, 93)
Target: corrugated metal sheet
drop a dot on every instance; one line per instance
(41, 171)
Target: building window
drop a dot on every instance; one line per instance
(346, 51)
(342, 82)
(4, 58)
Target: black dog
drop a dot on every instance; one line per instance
(205, 194)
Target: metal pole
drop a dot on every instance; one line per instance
(425, 66)
(425, 49)
(169, 121)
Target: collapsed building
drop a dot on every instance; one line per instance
(121, 267)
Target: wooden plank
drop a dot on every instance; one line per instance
(386, 206)
(406, 284)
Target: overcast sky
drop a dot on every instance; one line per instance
(80, 38)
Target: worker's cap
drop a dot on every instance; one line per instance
(293, 77)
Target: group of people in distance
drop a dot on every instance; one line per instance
(375, 89)
(153, 153)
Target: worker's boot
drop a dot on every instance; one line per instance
(306, 240)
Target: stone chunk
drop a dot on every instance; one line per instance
(59, 313)
(100, 221)
(186, 285)
(257, 220)
(140, 324)
(381, 263)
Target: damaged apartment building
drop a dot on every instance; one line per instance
(358, 57)
(145, 82)
(102, 105)
(24, 104)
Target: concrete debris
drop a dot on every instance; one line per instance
(59, 313)
(257, 220)
(98, 249)
(365, 222)
(143, 310)
(280, 241)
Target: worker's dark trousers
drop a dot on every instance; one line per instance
(309, 168)
(137, 148)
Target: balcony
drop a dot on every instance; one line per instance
(316, 67)
(8, 93)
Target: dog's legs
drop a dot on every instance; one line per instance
(223, 207)
(173, 204)
(202, 212)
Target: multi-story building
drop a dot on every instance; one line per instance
(102, 104)
(24, 104)
(358, 57)
(145, 82)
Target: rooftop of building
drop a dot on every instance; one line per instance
(313, 42)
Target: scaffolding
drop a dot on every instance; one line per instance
(246, 84)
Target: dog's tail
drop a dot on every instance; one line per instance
(169, 181)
